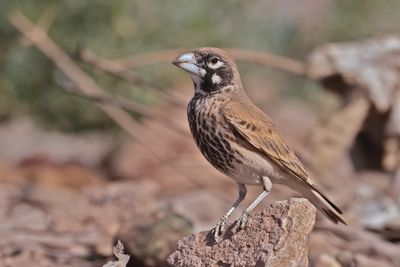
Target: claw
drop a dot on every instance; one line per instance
(241, 222)
(220, 228)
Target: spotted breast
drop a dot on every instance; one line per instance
(211, 134)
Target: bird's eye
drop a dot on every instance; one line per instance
(214, 60)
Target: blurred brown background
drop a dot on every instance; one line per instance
(95, 147)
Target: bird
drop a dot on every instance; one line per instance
(239, 139)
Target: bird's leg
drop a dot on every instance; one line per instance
(221, 225)
(242, 221)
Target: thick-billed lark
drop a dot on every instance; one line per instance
(240, 140)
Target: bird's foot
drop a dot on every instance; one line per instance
(220, 228)
(241, 222)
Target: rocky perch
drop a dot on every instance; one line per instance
(277, 236)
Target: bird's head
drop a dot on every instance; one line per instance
(212, 69)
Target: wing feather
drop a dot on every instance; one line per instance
(260, 132)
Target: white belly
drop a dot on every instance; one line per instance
(256, 166)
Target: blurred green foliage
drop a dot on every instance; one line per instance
(28, 81)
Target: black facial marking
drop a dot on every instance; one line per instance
(224, 72)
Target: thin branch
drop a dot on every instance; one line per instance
(148, 58)
(85, 83)
(88, 86)
(45, 22)
(127, 105)
(111, 100)
(111, 67)
(269, 60)
(119, 72)
(359, 240)
(262, 58)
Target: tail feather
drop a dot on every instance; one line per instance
(330, 210)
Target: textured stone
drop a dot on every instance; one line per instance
(278, 236)
(325, 260)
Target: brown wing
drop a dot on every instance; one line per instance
(260, 132)
(258, 129)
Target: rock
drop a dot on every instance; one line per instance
(40, 259)
(365, 76)
(45, 226)
(320, 247)
(349, 259)
(326, 260)
(372, 206)
(278, 236)
(370, 65)
(327, 145)
(155, 237)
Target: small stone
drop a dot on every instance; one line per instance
(325, 260)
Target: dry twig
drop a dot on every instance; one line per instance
(119, 72)
(88, 86)
(144, 111)
(261, 58)
(45, 22)
(85, 83)
(361, 241)
(269, 60)
(123, 259)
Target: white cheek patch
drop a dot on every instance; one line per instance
(203, 72)
(216, 79)
(217, 65)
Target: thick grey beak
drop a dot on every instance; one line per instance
(188, 63)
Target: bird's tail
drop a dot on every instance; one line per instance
(325, 206)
